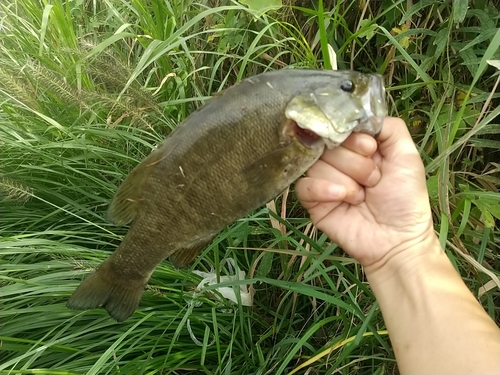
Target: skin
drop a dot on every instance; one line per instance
(371, 198)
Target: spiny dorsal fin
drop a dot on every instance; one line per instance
(186, 255)
(127, 200)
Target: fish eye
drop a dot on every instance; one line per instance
(347, 86)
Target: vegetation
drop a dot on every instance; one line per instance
(88, 88)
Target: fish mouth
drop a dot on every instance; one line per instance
(325, 114)
(305, 136)
(374, 106)
(334, 139)
(368, 118)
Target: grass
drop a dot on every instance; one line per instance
(88, 88)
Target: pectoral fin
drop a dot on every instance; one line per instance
(271, 164)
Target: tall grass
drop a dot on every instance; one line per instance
(87, 89)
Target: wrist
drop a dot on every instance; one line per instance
(410, 257)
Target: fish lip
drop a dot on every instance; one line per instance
(377, 92)
(371, 125)
(374, 107)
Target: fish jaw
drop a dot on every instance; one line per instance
(333, 115)
(306, 137)
(312, 120)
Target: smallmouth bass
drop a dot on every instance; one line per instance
(228, 158)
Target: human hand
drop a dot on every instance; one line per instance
(372, 202)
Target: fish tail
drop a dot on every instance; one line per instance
(104, 288)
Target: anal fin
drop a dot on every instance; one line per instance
(186, 255)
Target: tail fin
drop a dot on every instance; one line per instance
(118, 296)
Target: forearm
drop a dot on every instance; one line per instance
(435, 324)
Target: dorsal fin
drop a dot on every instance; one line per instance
(126, 202)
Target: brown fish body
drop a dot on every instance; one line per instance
(228, 158)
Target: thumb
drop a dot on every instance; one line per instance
(395, 141)
(402, 168)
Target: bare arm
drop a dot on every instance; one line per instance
(435, 324)
(372, 200)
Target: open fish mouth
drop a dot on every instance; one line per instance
(332, 140)
(304, 135)
(309, 133)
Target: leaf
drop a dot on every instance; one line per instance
(488, 54)
(486, 218)
(415, 9)
(333, 57)
(465, 216)
(440, 42)
(495, 63)
(367, 29)
(470, 60)
(485, 143)
(262, 6)
(43, 30)
(265, 265)
(404, 41)
(485, 35)
(489, 208)
(323, 24)
(489, 129)
(487, 22)
(459, 10)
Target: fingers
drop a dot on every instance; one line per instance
(353, 159)
(340, 173)
(360, 143)
(327, 184)
(395, 139)
(312, 191)
(361, 169)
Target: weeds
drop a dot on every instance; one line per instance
(87, 89)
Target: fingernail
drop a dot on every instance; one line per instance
(336, 191)
(359, 197)
(374, 178)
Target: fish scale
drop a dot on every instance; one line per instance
(227, 159)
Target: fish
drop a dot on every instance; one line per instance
(228, 158)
